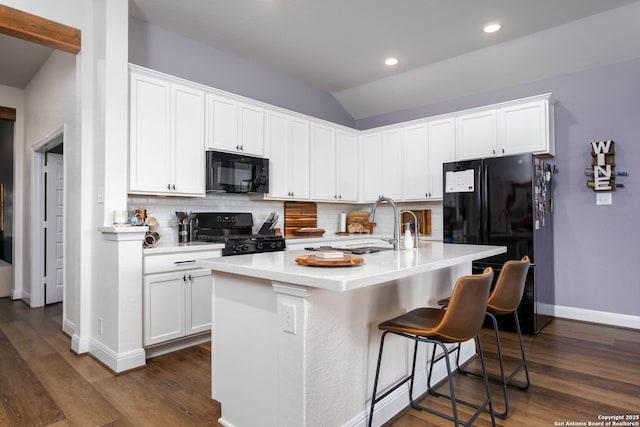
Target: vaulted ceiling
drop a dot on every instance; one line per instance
(339, 45)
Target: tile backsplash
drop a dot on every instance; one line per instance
(164, 208)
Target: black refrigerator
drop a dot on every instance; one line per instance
(506, 201)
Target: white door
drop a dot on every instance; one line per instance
(53, 229)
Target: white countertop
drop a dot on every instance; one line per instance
(377, 268)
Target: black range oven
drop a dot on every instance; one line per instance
(235, 230)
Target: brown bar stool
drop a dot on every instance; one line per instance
(460, 322)
(505, 299)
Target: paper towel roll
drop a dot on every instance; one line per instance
(343, 222)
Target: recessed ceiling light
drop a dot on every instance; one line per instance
(391, 61)
(492, 28)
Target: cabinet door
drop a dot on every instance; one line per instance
(251, 129)
(198, 313)
(391, 168)
(441, 136)
(222, 123)
(523, 128)
(371, 166)
(277, 142)
(476, 135)
(187, 121)
(414, 163)
(164, 317)
(323, 162)
(347, 166)
(299, 158)
(287, 141)
(149, 139)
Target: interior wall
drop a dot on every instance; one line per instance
(595, 246)
(49, 105)
(6, 178)
(162, 50)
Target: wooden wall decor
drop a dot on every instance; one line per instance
(32, 28)
(603, 164)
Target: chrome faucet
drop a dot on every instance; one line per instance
(416, 243)
(395, 241)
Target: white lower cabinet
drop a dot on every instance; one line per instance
(176, 296)
(176, 305)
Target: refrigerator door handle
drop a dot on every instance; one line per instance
(484, 203)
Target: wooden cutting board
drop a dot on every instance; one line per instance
(299, 215)
(358, 222)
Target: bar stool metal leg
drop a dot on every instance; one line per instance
(503, 380)
(487, 405)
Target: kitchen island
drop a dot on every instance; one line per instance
(295, 345)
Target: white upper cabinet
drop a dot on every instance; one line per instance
(347, 166)
(476, 135)
(234, 126)
(391, 147)
(381, 159)
(166, 137)
(522, 126)
(334, 164)
(370, 166)
(287, 142)
(172, 122)
(323, 162)
(527, 127)
(441, 135)
(415, 170)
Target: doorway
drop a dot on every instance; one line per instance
(6, 201)
(48, 221)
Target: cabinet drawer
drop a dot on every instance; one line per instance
(162, 263)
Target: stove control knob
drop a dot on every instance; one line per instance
(259, 246)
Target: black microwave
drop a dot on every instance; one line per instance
(236, 173)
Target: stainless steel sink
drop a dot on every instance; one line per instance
(356, 250)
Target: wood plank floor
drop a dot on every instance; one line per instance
(43, 383)
(578, 371)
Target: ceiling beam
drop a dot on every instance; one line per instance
(26, 26)
(7, 113)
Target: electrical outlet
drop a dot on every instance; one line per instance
(100, 330)
(288, 318)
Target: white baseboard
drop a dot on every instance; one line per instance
(593, 316)
(78, 344)
(117, 362)
(22, 295)
(68, 327)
